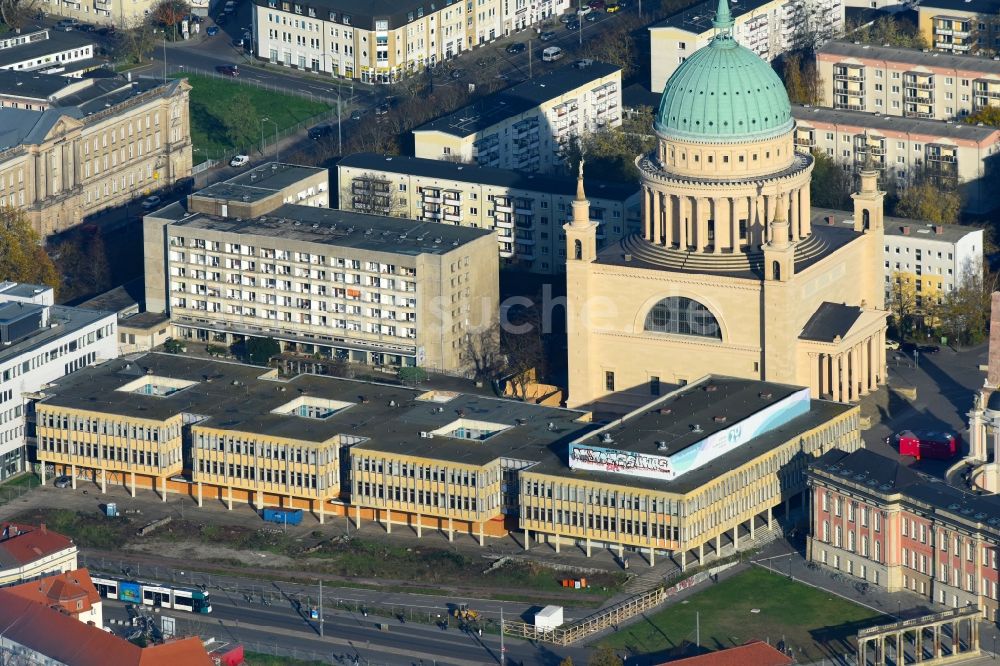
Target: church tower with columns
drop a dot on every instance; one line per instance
(731, 274)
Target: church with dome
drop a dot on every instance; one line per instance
(730, 276)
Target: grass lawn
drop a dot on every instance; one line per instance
(210, 96)
(816, 624)
(259, 659)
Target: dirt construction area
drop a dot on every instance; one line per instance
(213, 535)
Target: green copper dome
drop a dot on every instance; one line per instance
(723, 93)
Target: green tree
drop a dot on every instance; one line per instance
(241, 122)
(890, 30)
(22, 256)
(412, 375)
(902, 302)
(611, 152)
(987, 115)
(261, 350)
(568, 661)
(929, 199)
(830, 186)
(604, 656)
(964, 313)
(615, 47)
(798, 70)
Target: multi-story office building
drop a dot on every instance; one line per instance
(384, 41)
(47, 50)
(960, 26)
(527, 212)
(905, 82)
(419, 459)
(528, 126)
(99, 147)
(766, 27)
(881, 522)
(251, 257)
(932, 260)
(904, 147)
(40, 343)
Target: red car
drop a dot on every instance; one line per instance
(925, 444)
(228, 70)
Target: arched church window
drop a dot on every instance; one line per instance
(865, 218)
(578, 249)
(682, 316)
(776, 269)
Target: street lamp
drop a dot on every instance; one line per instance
(277, 154)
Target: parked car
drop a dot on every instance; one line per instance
(515, 48)
(149, 203)
(66, 24)
(228, 70)
(613, 7)
(591, 17)
(596, 5)
(63, 481)
(891, 344)
(356, 115)
(573, 25)
(583, 11)
(566, 18)
(546, 36)
(86, 27)
(382, 109)
(319, 131)
(928, 349)
(212, 31)
(239, 161)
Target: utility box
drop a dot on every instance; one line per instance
(549, 617)
(111, 510)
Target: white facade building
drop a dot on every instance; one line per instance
(41, 342)
(766, 27)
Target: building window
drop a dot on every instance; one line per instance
(609, 380)
(682, 316)
(654, 386)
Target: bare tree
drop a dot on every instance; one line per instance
(522, 346)
(482, 352)
(135, 39)
(373, 194)
(17, 13)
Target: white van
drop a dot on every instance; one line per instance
(552, 53)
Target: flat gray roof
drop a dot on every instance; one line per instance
(876, 121)
(390, 418)
(517, 99)
(328, 226)
(57, 41)
(915, 57)
(949, 233)
(63, 322)
(274, 175)
(470, 173)
(732, 398)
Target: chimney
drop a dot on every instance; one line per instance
(829, 220)
(906, 230)
(939, 229)
(42, 527)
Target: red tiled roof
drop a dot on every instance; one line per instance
(59, 636)
(26, 543)
(72, 591)
(757, 653)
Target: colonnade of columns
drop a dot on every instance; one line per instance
(894, 644)
(718, 225)
(847, 375)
